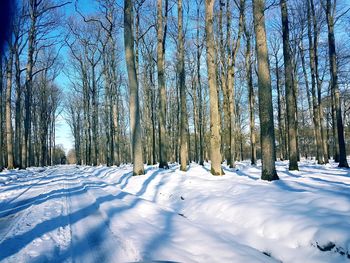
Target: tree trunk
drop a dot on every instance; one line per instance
(334, 130)
(199, 86)
(281, 128)
(163, 163)
(9, 142)
(95, 117)
(231, 80)
(1, 115)
(290, 98)
(18, 112)
(318, 81)
(316, 116)
(334, 83)
(29, 79)
(267, 133)
(251, 95)
(135, 125)
(215, 140)
(181, 85)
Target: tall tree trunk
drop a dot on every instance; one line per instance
(9, 142)
(307, 88)
(222, 77)
(199, 86)
(281, 128)
(163, 163)
(267, 133)
(18, 111)
(1, 115)
(27, 146)
(334, 82)
(116, 153)
(182, 87)
(153, 117)
(195, 116)
(318, 81)
(215, 140)
(334, 130)
(316, 115)
(251, 95)
(135, 124)
(232, 55)
(95, 117)
(290, 98)
(107, 114)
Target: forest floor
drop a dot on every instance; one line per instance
(100, 214)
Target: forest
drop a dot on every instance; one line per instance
(171, 81)
(201, 131)
(191, 82)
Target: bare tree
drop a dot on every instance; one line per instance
(1, 113)
(267, 134)
(291, 99)
(251, 94)
(330, 13)
(182, 87)
(215, 140)
(9, 141)
(161, 37)
(133, 89)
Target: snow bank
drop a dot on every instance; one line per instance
(81, 214)
(303, 216)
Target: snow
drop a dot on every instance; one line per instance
(102, 214)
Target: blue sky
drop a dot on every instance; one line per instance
(63, 132)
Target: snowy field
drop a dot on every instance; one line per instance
(100, 214)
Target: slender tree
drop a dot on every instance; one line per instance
(267, 134)
(182, 87)
(215, 140)
(1, 113)
(251, 94)
(316, 113)
(161, 34)
(290, 95)
(9, 141)
(135, 126)
(330, 14)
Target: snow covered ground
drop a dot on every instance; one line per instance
(101, 214)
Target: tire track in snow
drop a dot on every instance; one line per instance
(30, 186)
(9, 221)
(92, 239)
(21, 239)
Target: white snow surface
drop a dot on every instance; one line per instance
(104, 214)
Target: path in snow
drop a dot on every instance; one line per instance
(74, 214)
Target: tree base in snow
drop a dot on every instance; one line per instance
(164, 165)
(268, 176)
(214, 172)
(140, 172)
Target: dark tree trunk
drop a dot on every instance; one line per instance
(334, 83)
(267, 133)
(290, 95)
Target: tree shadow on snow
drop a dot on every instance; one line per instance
(14, 244)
